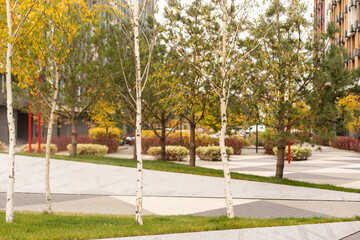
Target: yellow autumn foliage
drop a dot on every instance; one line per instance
(101, 132)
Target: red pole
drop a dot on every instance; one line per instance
(289, 152)
(39, 122)
(29, 127)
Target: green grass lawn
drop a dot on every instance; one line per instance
(182, 168)
(40, 226)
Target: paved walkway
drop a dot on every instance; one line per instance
(328, 166)
(92, 188)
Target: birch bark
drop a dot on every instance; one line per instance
(223, 106)
(48, 142)
(11, 121)
(139, 190)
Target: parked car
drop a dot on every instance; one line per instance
(129, 139)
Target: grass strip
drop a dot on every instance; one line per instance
(39, 226)
(182, 168)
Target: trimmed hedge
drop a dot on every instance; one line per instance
(212, 153)
(89, 149)
(200, 141)
(111, 143)
(173, 153)
(268, 148)
(346, 143)
(96, 133)
(63, 142)
(296, 153)
(235, 143)
(34, 148)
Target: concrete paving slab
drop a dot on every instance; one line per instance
(181, 205)
(265, 209)
(307, 175)
(85, 178)
(335, 209)
(328, 231)
(354, 236)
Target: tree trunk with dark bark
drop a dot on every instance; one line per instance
(192, 146)
(73, 137)
(280, 159)
(163, 140)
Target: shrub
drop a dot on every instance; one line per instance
(147, 143)
(212, 153)
(61, 142)
(2, 146)
(115, 133)
(34, 148)
(262, 137)
(89, 149)
(235, 143)
(245, 142)
(200, 141)
(147, 134)
(323, 139)
(173, 153)
(111, 143)
(346, 143)
(268, 147)
(296, 153)
(205, 140)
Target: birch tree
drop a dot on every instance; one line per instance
(221, 63)
(63, 23)
(11, 120)
(137, 14)
(22, 16)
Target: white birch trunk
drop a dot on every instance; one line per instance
(48, 203)
(223, 106)
(11, 123)
(139, 190)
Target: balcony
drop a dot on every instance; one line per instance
(352, 29)
(351, 3)
(351, 57)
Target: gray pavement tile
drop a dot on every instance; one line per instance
(264, 209)
(341, 209)
(91, 204)
(354, 236)
(352, 176)
(350, 168)
(327, 231)
(24, 199)
(252, 169)
(302, 175)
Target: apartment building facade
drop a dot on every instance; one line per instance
(61, 127)
(346, 15)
